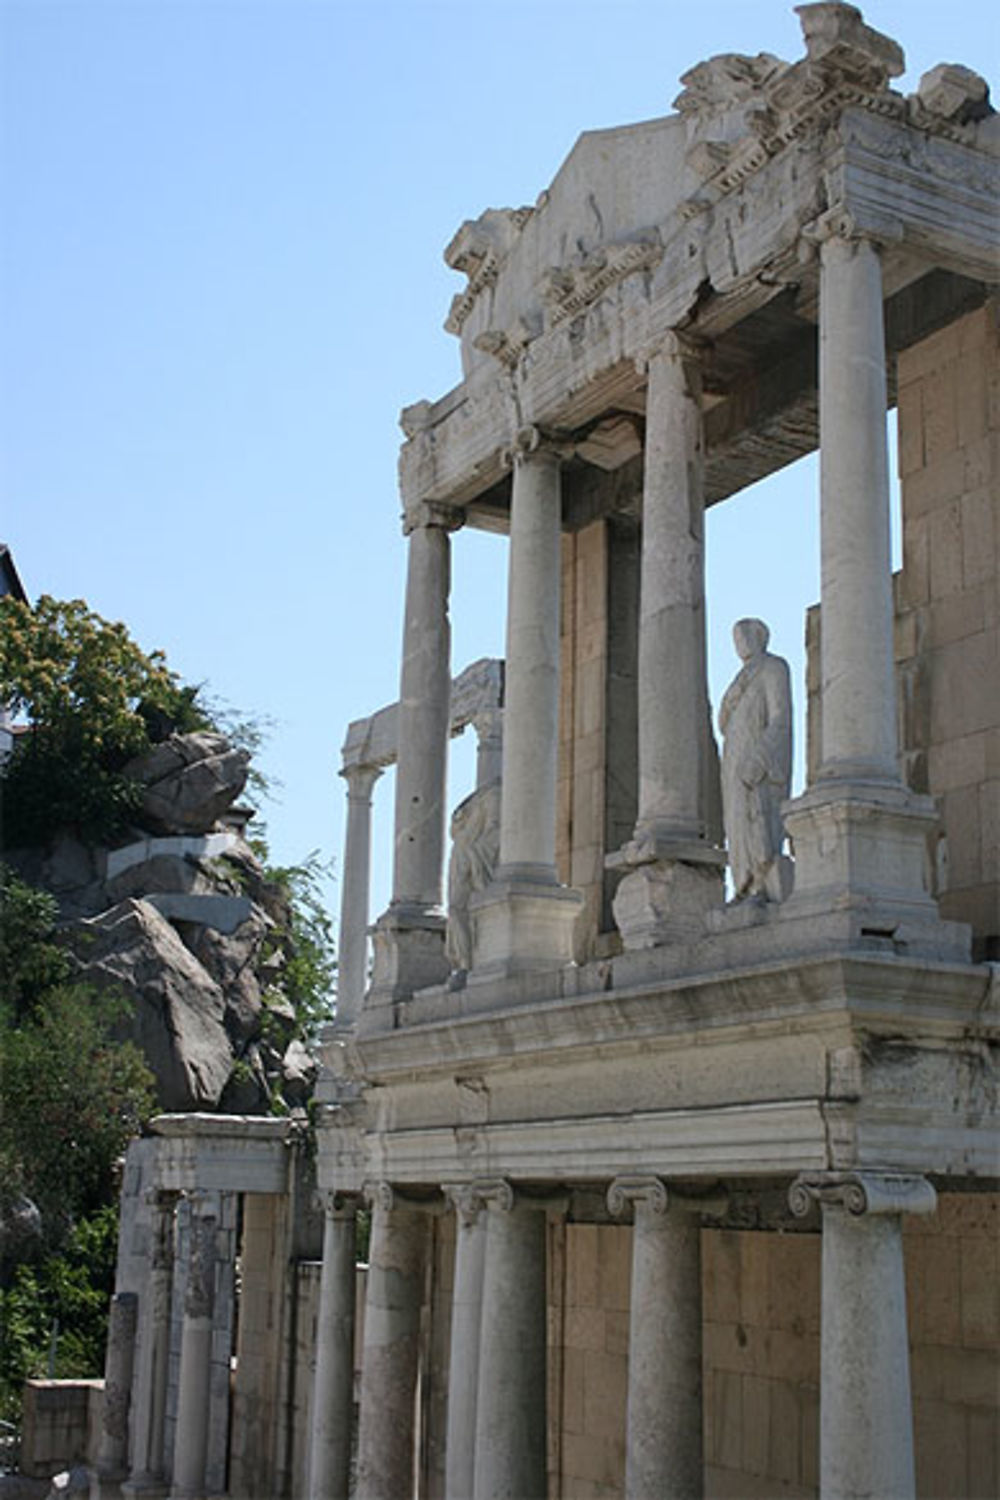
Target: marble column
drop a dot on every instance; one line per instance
(193, 1382)
(525, 918)
(409, 937)
(153, 1355)
(333, 1383)
(663, 1444)
(390, 1359)
(352, 947)
(858, 682)
(466, 1322)
(510, 1457)
(859, 835)
(675, 872)
(112, 1451)
(866, 1417)
(489, 746)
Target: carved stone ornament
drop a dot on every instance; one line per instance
(432, 513)
(531, 442)
(475, 853)
(863, 1193)
(569, 289)
(199, 1294)
(727, 79)
(626, 1192)
(335, 1204)
(478, 248)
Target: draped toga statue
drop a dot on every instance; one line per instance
(756, 721)
(475, 849)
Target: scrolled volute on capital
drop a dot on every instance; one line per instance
(432, 513)
(863, 1193)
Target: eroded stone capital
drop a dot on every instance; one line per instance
(432, 513)
(335, 1204)
(360, 781)
(649, 1192)
(840, 227)
(673, 344)
(863, 1193)
(532, 444)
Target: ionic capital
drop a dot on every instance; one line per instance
(533, 445)
(397, 1200)
(673, 344)
(335, 1204)
(432, 513)
(840, 226)
(647, 1192)
(863, 1193)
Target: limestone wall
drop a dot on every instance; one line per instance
(762, 1308)
(949, 615)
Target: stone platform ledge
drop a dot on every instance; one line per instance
(223, 1153)
(203, 1125)
(627, 1002)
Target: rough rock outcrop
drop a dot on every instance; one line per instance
(190, 780)
(179, 1008)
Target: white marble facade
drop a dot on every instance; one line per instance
(647, 1055)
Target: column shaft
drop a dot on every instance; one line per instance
(389, 1366)
(424, 706)
(333, 1384)
(663, 1455)
(672, 688)
(856, 648)
(112, 1453)
(531, 715)
(463, 1369)
(193, 1385)
(866, 1421)
(150, 1385)
(510, 1456)
(352, 948)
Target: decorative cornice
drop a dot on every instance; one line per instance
(570, 289)
(863, 1193)
(478, 249)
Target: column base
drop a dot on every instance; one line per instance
(408, 955)
(668, 892)
(862, 865)
(521, 923)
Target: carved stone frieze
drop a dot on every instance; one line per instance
(478, 249)
(567, 290)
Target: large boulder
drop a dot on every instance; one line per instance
(179, 1009)
(189, 781)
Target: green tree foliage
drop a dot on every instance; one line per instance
(310, 966)
(94, 700)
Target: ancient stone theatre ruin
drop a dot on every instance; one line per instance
(675, 1188)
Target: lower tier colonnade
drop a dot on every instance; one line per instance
(497, 1444)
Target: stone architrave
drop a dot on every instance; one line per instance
(112, 1452)
(673, 873)
(333, 1383)
(866, 1418)
(510, 1453)
(755, 718)
(475, 850)
(663, 1444)
(389, 1363)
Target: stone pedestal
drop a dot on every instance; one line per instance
(866, 1419)
(510, 1415)
(112, 1452)
(663, 1445)
(673, 874)
(466, 1322)
(525, 919)
(353, 935)
(333, 1383)
(193, 1384)
(389, 1365)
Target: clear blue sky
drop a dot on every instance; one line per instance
(221, 278)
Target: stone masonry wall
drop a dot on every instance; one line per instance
(583, 668)
(762, 1330)
(949, 464)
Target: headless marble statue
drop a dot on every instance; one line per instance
(756, 721)
(475, 849)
